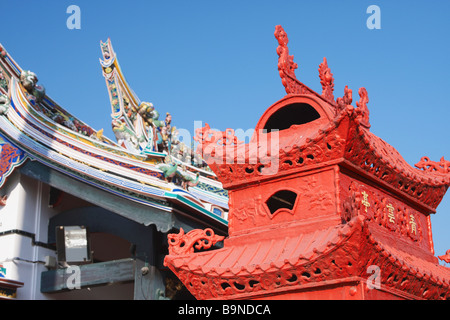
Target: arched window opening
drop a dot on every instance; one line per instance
(292, 114)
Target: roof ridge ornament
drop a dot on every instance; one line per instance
(29, 81)
(362, 107)
(286, 62)
(326, 80)
(287, 66)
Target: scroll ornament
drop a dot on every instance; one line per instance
(186, 243)
(443, 166)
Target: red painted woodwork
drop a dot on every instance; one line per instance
(315, 206)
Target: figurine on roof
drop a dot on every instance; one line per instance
(29, 81)
(83, 129)
(3, 81)
(157, 129)
(125, 137)
(173, 173)
(63, 119)
(129, 110)
(161, 134)
(4, 103)
(164, 134)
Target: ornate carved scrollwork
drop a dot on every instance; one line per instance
(445, 257)
(182, 243)
(213, 144)
(426, 164)
(10, 157)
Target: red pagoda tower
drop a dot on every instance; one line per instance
(320, 207)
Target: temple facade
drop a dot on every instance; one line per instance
(319, 206)
(79, 211)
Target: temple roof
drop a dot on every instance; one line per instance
(245, 269)
(31, 121)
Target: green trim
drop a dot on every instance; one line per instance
(195, 206)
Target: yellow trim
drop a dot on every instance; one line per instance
(122, 77)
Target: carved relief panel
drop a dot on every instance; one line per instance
(296, 198)
(395, 217)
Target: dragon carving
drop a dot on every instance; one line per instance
(185, 243)
(172, 174)
(443, 166)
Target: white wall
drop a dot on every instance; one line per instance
(27, 210)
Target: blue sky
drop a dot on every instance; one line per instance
(216, 62)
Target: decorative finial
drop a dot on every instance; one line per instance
(326, 80)
(286, 64)
(362, 106)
